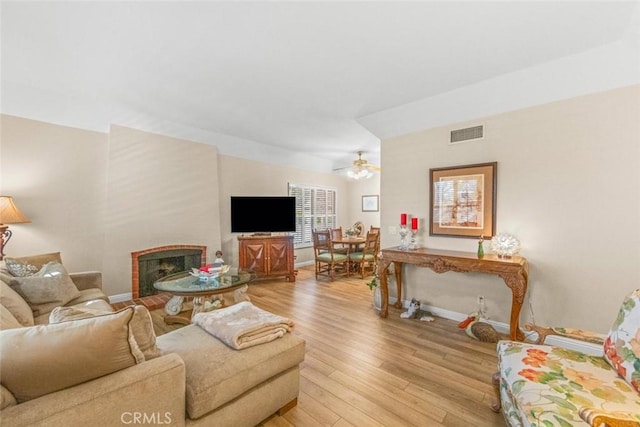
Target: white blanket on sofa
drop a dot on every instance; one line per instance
(243, 325)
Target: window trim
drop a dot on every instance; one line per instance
(326, 219)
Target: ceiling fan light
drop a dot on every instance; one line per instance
(359, 173)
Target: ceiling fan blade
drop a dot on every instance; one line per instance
(359, 164)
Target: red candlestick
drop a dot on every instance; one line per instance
(403, 219)
(414, 223)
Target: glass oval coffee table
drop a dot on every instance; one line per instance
(183, 284)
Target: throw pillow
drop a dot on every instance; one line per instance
(49, 288)
(29, 265)
(141, 324)
(42, 359)
(622, 345)
(18, 307)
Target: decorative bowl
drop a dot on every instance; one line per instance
(505, 245)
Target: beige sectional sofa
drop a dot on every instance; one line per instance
(109, 370)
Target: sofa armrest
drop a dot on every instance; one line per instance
(576, 334)
(155, 389)
(87, 279)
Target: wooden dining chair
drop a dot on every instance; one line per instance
(375, 230)
(328, 262)
(367, 257)
(341, 248)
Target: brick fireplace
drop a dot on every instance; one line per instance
(149, 265)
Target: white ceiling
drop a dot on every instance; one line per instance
(305, 77)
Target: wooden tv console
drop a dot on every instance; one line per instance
(267, 256)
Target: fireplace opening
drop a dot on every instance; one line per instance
(152, 264)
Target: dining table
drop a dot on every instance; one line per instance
(352, 243)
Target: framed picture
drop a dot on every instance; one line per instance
(370, 204)
(463, 200)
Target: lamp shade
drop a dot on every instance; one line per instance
(9, 212)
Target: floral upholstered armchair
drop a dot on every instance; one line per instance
(541, 385)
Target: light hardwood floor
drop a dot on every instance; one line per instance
(361, 370)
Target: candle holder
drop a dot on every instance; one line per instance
(404, 244)
(414, 239)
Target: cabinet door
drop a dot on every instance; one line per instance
(255, 257)
(279, 254)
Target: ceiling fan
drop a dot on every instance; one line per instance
(360, 169)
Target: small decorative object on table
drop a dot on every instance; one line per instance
(505, 245)
(207, 273)
(481, 247)
(404, 244)
(355, 230)
(414, 232)
(218, 261)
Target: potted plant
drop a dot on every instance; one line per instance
(377, 294)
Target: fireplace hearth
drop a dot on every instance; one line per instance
(149, 265)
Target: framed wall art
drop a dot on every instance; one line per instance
(370, 204)
(462, 200)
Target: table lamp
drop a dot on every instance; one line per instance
(9, 214)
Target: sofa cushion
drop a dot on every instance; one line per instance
(622, 345)
(96, 304)
(141, 324)
(7, 320)
(548, 385)
(217, 374)
(87, 295)
(47, 289)
(13, 302)
(42, 359)
(6, 398)
(66, 314)
(29, 265)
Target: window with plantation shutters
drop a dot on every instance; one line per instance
(315, 209)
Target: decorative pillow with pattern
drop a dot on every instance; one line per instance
(48, 288)
(30, 265)
(622, 345)
(19, 268)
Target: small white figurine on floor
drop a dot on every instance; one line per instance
(415, 312)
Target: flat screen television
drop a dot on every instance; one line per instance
(263, 214)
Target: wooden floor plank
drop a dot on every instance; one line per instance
(361, 370)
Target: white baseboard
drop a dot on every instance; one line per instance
(120, 298)
(568, 343)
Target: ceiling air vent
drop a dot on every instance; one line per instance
(467, 134)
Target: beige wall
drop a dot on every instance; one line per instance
(98, 197)
(161, 191)
(568, 188)
(240, 177)
(57, 176)
(357, 189)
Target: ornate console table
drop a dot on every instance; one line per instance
(514, 271)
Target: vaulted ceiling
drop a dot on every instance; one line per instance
(313, 78)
